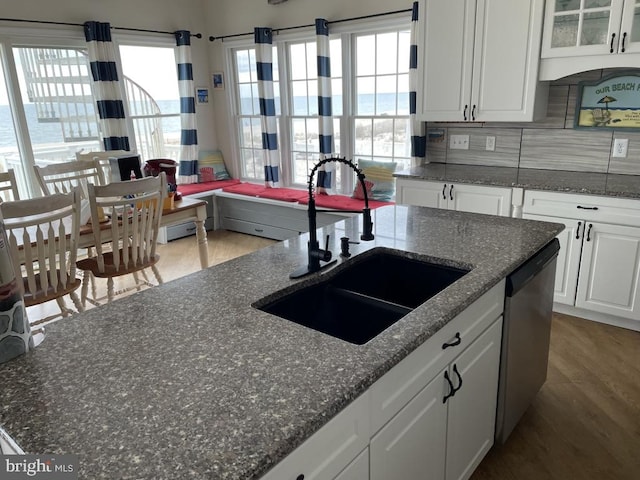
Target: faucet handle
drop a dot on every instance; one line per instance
(326, 255)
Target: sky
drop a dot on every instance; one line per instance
(152, 67)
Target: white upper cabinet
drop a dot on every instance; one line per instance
(582, 35)
(478, 60)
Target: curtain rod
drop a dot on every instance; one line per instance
(276, 30)
(46, 22)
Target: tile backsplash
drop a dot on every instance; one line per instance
(551, 144)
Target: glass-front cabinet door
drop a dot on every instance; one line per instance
(590, 27)
(630, 29)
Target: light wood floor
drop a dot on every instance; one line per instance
(583, 425)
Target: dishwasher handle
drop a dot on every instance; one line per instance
(526, 272)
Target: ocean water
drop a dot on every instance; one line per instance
(51, 132)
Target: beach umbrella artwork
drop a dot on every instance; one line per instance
(606, 100)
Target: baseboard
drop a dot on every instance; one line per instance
(627, 323)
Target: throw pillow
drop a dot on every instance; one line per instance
(359, 194)
(211, 166)
(381, 175)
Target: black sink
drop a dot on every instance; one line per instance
(367, 295)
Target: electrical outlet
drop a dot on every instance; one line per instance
(620, 146)
(459, 142)
(491, 143)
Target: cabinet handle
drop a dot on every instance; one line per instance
(444, 195)
(453, 343)
(473, 114)
(587, 208)
(624, 37)
(613, 36)
(465, 112)
(578, 231)
(452, 390)
(451, 192)
(589, 232)
(455, 369)
(300, 477)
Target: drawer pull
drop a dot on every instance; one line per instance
(300, 477)
(587, 208)
(455, 342)
(192, 229)
(259, 230)
(452, 390)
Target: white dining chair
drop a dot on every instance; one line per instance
(42, 234)
(127, 243)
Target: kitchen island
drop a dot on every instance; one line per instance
(188, 380)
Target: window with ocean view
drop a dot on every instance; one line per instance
(153, 99)
(50, 114)
(370, 103)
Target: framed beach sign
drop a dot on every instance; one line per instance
(608, 103)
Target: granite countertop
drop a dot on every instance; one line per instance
(187, 380)
(626, 186)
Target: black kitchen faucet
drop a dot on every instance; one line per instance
(316, 255)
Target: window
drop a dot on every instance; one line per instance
(370, 103)
(248, 108)
(49, 111)
(305, 145)
(381, 121)
(153, 98)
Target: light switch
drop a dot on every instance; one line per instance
(459, 142)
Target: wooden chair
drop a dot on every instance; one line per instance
(64, 177)
(127, 244)
(8, 186)
(43, 236)
(103, 160)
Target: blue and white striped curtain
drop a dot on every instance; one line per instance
(418, 137)
(106, 86)
(326, 173)
(188, 159)
(264, 67)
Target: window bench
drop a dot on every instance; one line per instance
(276, 213)
(279, 213)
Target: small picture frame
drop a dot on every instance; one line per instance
(202, 95)
(217, 79)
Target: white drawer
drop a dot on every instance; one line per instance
(621, 211)
(260, 230)
(398, 386)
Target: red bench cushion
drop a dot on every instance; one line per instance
(193, 188)
(343, 202)
(252, 189)
(260, 191)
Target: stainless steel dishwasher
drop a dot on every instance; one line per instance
(525, 337)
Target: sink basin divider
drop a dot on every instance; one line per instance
(373, 301)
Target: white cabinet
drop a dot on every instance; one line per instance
(585, 35)
(454, 196)
(472, 409)
(410, 405)
(599, 261)
(445, 430)
(413, 422)
(478, 60)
